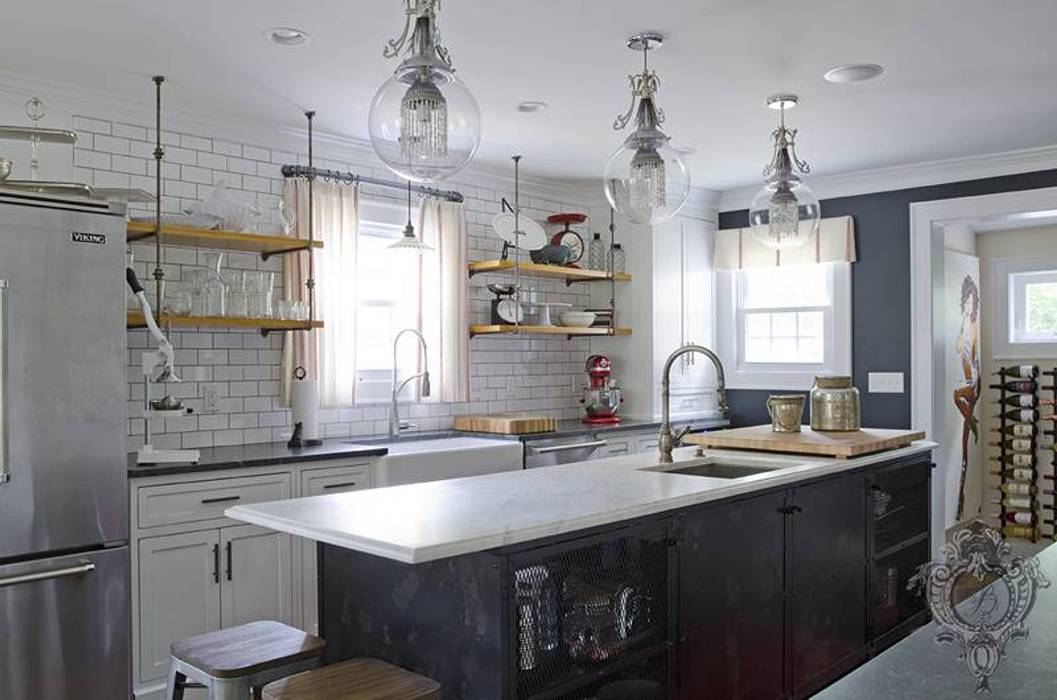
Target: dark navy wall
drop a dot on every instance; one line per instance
(880, 288)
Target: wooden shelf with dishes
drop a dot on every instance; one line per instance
(190, 236)
(136, 320)
(528, 269)
(570, 331)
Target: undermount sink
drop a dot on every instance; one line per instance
(721, 467)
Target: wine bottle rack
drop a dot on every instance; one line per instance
(1026, 485)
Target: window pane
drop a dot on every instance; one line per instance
(783, 325)
(758, 325)
(757, 350)
(810, 323)
(785, 287)
(1040, 306)
(811, 350)
(784, 350)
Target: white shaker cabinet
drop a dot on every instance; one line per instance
(179, 595)
(668, 303)
(257, 578)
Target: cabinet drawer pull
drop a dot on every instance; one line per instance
(228, 548)
(790, 510)
(220, 499)
(344, 484)
(216, 563)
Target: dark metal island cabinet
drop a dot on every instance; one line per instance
(772, 594)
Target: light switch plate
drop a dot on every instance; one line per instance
(885, 382)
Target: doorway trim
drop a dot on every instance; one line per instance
(927, 222)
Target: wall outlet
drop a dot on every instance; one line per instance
(210, 398)
(885, 382)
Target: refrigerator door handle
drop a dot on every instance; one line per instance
(79, 570)
(5, 473)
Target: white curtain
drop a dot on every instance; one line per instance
(443, 303)
(738, 248)
(327, 354)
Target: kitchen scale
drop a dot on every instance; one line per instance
(505, 308)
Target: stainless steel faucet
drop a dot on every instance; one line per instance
(667, 439)
(395, 425)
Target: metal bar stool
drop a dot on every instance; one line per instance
(357, 679)
(232, 662)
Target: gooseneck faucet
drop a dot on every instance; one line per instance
(667, 440)
(395, 426)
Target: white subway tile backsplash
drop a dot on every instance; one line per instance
(243, 366)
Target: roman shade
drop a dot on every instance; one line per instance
(834, 241)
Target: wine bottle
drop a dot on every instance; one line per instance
(1016, 445)
(1018, 401)
(1019, 474)
(1018, 488)
(1021, 430)
(1016, 460)
(1020, 386)
(1015, 503)
(1021, 531)
(1022, 415)
(1026, 371)
(1019, 518)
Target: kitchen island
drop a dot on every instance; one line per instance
(556, 582)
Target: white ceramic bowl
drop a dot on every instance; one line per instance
(576, 319)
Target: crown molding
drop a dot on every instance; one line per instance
(901, 177)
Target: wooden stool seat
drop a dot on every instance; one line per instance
(231, 663)
(246, 649)
(357, 679)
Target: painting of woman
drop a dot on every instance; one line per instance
(967, 391)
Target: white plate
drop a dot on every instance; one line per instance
(532, 236)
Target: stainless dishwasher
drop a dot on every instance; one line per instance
(547, 452)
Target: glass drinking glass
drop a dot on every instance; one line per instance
(265, 283)
(237, 297)
(286, 217)
(215, 288)
(176, 298)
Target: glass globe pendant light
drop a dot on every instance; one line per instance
(785, 213)
(424, 124)
(646, 179)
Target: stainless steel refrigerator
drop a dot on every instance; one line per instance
(64, 599)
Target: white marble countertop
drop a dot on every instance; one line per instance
(427, 521)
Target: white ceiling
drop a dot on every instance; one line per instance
(963, 77)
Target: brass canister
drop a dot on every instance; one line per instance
(835, 404)
(785, 411)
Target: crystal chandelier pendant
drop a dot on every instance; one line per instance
(424, 124)
(646, 179)
(785, 212)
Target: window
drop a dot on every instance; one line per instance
(388, 302)
(1024, 304)
(1033, 297)
(780, 326)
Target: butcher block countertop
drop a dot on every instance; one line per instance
(841, 445)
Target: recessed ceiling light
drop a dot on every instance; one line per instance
(854, 72)
(287, 36)
(531, 106)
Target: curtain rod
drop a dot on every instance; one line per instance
(302, 171)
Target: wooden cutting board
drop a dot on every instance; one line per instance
(506, 423)
(808, 441)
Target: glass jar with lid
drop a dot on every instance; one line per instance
(835, 404)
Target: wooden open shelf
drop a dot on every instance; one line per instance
(136, 320)
(223, 240)
(546, 330)
(529, 269)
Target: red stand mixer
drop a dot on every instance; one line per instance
(601, 397)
